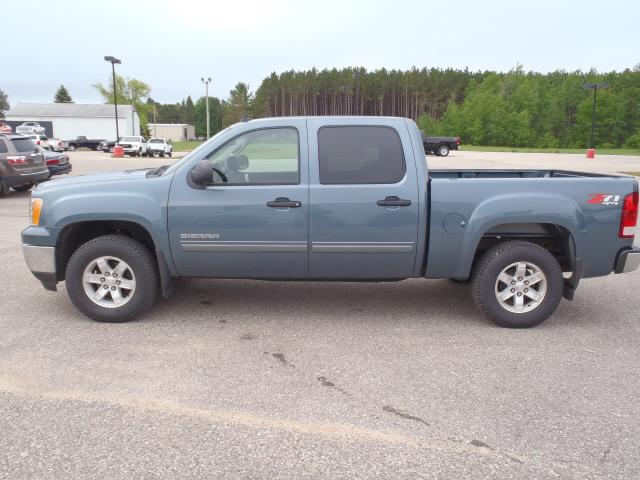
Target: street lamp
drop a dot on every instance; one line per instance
(595, 87)
(206, 82)
(356, 75)
(113, 61)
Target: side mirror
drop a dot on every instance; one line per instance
(202, 174)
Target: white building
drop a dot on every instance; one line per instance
(176, 132)
(69, 120)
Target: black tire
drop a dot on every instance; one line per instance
(3, 188)
(498, 258)
(443, 150)
(170, 153)
(142, 264)
(23, 188)
(162, 154)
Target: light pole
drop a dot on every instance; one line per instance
(206, 82)
(595, 87)
(113, 61)
(356, 75)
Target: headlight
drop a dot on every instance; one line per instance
(36, 208)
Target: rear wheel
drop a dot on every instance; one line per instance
(112, 278)
(23, 188)
(517, 284)
(443, 151)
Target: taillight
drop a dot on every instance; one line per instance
(458, 140)
(629, 216)
(17, 159)
(53, 161)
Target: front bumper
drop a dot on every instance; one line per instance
(628, 261)
(42, 263)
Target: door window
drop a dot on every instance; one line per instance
(260, 157)
(360, 154)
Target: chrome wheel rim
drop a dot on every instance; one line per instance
(109, 282)
(521, 287)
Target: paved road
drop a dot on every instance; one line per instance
(244, 379)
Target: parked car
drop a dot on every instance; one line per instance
(82, 142)
(57, 163)
(5, 128)
(159, 146)
(335, 199)
(41, 141)
(21, 166)
(440, 146)
(134, 146)
(28, 128)
(56, 145)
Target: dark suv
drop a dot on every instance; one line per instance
(21, 165)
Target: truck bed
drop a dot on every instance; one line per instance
(490, 173)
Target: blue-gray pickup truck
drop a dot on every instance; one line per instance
(335, 199)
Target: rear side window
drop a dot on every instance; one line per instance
(360, 154)
(3, 146)
(23, 144)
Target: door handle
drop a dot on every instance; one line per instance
(394, 201)
(284, 202)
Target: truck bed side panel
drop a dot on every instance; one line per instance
(464, 209)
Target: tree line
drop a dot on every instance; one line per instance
(517, 108)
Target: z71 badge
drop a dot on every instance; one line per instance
(604, 199)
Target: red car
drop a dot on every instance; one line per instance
(4, 128)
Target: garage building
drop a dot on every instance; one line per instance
(176, 132)
(69, 120)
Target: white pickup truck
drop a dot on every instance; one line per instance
(159, 146)
(135, 146)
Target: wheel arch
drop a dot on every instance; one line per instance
(77, 233)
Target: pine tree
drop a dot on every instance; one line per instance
(62, 95)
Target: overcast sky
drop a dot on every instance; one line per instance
(170, 44)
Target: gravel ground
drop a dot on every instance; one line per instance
(248, 379)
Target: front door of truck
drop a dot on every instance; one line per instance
(364, 200)
(252, 222)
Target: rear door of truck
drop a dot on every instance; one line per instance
(364, 199)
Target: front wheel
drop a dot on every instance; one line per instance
(517, 284)
(112, 278)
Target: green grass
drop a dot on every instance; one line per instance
(637, 174)
(185, 146)
(601, 151)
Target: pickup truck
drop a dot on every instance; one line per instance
(135, 146)
(159, 146)
(440, 146)
(82, 142)
(334, 199)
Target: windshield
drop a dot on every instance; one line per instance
(23, 144)
(130, 139)
(176, 165)
(156, 140)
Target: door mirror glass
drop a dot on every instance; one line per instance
(202, 174)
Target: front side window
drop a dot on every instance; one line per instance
(359, 155)
(261, 157)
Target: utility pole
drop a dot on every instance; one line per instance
(595, 87)
(155, 125)
(206, 82)
(113, 61)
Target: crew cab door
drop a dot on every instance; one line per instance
(364, 200)
(253, 221)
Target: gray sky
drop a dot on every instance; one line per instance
(170, 44)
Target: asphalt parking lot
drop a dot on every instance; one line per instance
(248, 379)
